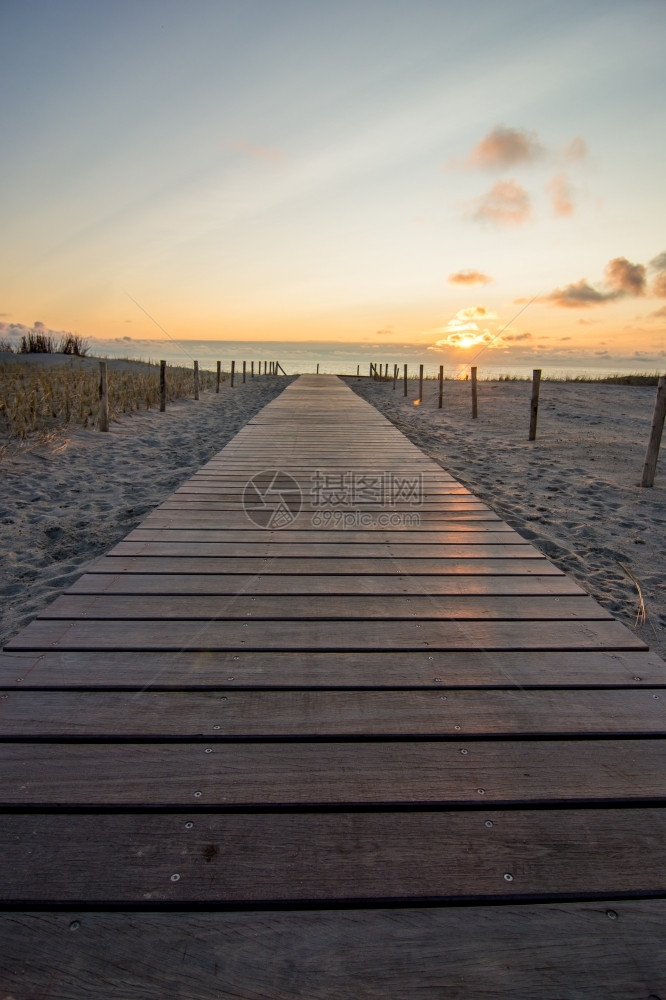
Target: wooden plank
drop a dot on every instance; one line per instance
(239, 583)
(370, 521)
(388, 607)
(320, 550)
(612, 948)
(325, 714)
(252, 858)
(324, 635)
(332, 536)
(288, 775)
(290, 565)
(251, 669)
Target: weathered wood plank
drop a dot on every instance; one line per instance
(187, 670)
(324, 635)
(291, 775)
(612, 948)
(318, 550)
(327, 714)
(290, 565)
(239, 583)
(250, 858)
(388, 607)
(329, 536)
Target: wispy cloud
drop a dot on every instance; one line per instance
(560, 193)
(504, 147)
(622, 279)
(506, 204)
(575, 151)
(469, 278)
(268, 154)
(658, 264)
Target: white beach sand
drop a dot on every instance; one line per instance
(573, 492)
(61, 508)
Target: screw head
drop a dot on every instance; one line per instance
(488, 823)
(481, 791)
(611, 914)
(197, 795)
(175, 877)
(508, 877)
(189, 825)
(75, 924)
(464, 751)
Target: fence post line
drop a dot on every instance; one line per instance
(475, 401)
(103, 398)
(196, 379)
(232, 373)
(534, 404)
(218, 376)
(163, 386)
(405, 380)
(652, 453)
(441, 385)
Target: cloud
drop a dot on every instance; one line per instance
(465, 337)
(475, 312)
(622, 279)
(268, 154)
(561, 195)
(514, 337)
(469, 278)
(382, 333)
(625, 277)
(659, 313)
(659, 285)
(504, 147)
(506, 204)
(575, 151)
(658, 263)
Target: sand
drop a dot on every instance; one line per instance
(574, 492)
(63, 507)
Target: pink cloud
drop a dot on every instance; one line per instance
(561, 195)
(622, 279)
(504, 147)
(469, 278)
(625, 277)
(659, 285)
(575, 151)
(506, 204)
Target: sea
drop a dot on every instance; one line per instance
(343, 358)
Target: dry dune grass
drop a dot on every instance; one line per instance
(38, 404)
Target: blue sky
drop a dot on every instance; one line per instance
(301, 171)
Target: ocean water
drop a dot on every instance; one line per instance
(347, 359)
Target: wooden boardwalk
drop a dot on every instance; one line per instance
(369, 743)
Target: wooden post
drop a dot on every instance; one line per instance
(231, 377)
(196, 379)
(103, 398)
(405, 380)
(358, 370)
(650, 467)
(244, 370)
(251, 369)
(395, 376)
(420, 383)
(219, 375)
(370, 371)
(317, 369)
(475, 402)
(441, 385)
(163, 386)
(534, 405)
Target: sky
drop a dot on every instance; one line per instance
(423, 175)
